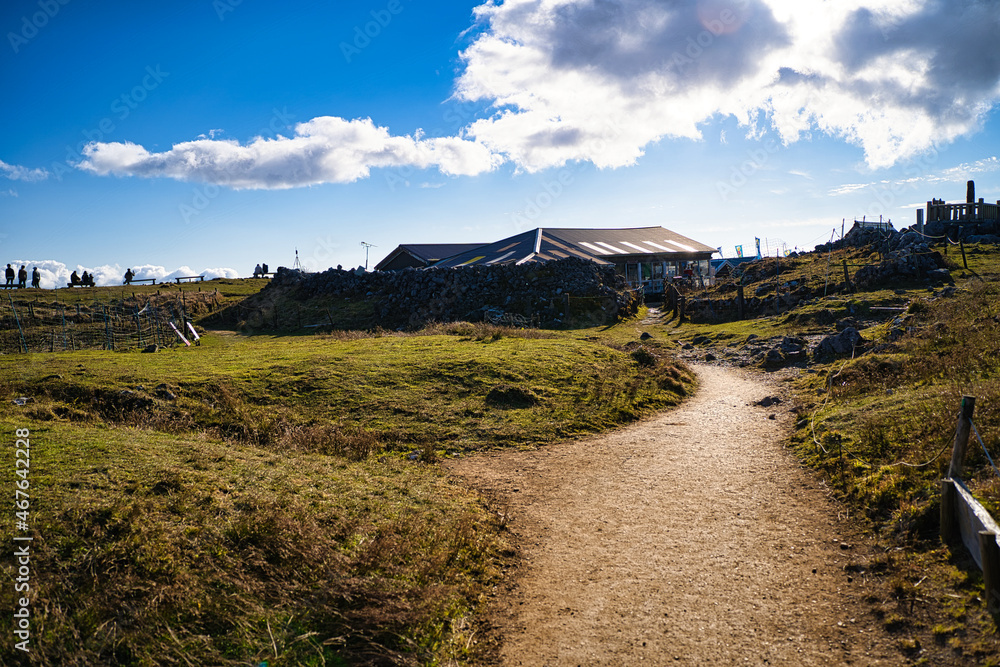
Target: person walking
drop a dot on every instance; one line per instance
(10, 274)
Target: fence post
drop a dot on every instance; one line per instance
(949, 499)
(20, 331)
(961, 437)
(989, 554)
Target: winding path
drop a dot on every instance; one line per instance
(692, 538)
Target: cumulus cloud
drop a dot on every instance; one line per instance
(324, 150)
(15, 172)
(55, 274)
(599, 80)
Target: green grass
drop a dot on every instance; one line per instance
(268, 507)
(411, 389)
(155, 549)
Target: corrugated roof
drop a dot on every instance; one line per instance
(424, 253)
(433, 252)
(603, 246)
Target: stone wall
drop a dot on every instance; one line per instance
(413, 297)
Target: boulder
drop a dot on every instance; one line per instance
(840, 344)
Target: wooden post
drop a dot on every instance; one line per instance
(989, 554)
(961, 437)
(777, 285)
(949, 520)
(740, 304)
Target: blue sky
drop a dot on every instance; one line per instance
(212, 135)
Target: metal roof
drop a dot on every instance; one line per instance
(604, 246)
(425, 254)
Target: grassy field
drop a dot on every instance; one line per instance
(263, 498)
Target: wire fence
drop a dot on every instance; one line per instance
(113, 324)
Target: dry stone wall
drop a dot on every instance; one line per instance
(535, 292)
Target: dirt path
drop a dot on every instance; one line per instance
(691, 538)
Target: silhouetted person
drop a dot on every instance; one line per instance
(74, 279)
(257, 271)
(22, 277)
(129, 276)
(10, 274)
(263, 271)
(36, 278)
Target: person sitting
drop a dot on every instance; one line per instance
(90, 280)
(36, 278)
(263, 270)
(257, 271)
(129, 276)
(22, 277)
(85, 279)
(74, 279)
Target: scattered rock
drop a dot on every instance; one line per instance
(839, 344)
(151, 348)
(163, 391)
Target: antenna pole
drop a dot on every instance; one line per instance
(367, 246)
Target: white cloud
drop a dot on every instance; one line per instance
(55, 274)
(957, 174)
(598, 80)
(324, 150)
(15, 172)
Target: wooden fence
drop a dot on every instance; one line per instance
(113, 324)
(964, 518)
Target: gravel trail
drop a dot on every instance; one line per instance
(692, 538)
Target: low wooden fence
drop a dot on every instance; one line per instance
(964, 518)
(112, 324)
